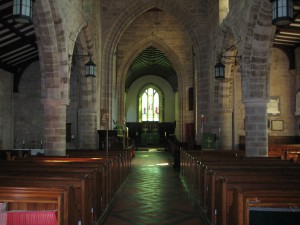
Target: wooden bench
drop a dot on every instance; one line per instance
(109, 184)
(242, 172)
(195, 171)
(293, 155)
(206, 173)
(245, 198)
(282, 150)
(104, 174)
(41, 198)
(97, 176)
(224, 192)
(240, 165)
(67, 172)
(81, 185)
(108, 179)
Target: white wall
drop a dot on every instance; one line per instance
(131, 98)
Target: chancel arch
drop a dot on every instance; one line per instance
(188, 38)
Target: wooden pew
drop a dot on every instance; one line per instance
(41, 198)
(282, 150)
(224, 192)
(204, 171)
(122, 156)
(245, 166)
(245, 198)
(208, 189)
(81, 185)
(109, 184)
(97, 176)
(293, 155)
(120, 160)
(198, 168)
(53, 171)
(111, 169)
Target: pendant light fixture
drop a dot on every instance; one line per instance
(22, 11)
(282, 12)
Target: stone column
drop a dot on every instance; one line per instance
(87, 129)
(55, 126)
(256, 127)
(224, 129)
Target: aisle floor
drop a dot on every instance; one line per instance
(153, 194)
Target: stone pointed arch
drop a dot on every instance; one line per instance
(254, 78)
(54, 73)
(255, 49)
(88, 85)
(195, 30)
(226, 91)
(145, 43)
(52, 49)
(140, 46)
(85, 102)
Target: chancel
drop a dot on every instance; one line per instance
(149, 112)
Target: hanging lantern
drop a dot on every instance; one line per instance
(90, 69)
(22, 11)
(219, 70)
(282, 12)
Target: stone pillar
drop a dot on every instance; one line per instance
(224, 129)
(55, 126)
(256, 127)
(87, 123)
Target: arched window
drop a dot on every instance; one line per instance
(150, 105)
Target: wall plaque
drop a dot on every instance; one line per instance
(277, 125)
(273, 106)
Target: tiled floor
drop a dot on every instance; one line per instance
(153, 194)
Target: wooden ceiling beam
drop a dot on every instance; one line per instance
(18, 44)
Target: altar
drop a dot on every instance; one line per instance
(150, 133)
(150, 138)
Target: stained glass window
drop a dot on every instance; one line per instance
(150, 105)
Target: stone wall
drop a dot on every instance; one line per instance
(282, 85)
(6, 110)
(28, 110)
(189, 33)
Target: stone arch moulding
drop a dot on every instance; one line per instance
(85, 46)
(256, 52)
(256, 43)
(190, 24)
(51, 52)
(54, 74)
(129, 59)
(148, 42)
